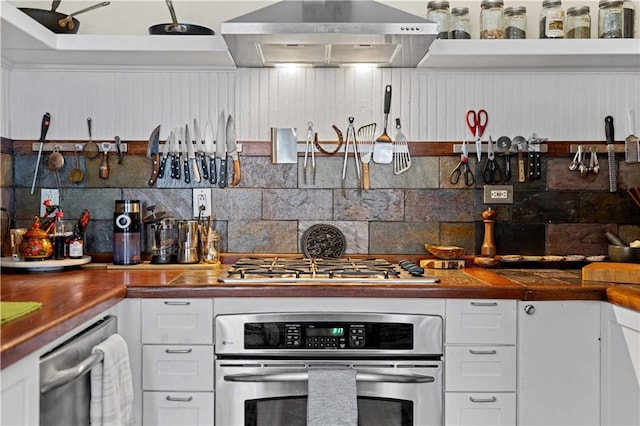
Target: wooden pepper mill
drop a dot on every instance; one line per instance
(488, 248)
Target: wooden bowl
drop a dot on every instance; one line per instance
(446, 252)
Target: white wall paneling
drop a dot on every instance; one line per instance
(431, 104)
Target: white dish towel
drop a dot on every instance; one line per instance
(111, 385)
(332, 398)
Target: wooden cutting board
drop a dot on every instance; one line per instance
(628, 273)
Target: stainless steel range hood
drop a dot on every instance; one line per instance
(328, 33)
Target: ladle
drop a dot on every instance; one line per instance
(55, 162)
(76, 174)
(91, 150)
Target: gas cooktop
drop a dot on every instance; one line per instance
(273, 270)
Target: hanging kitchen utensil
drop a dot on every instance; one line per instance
(611, 153)
(594, 164)
(520, 143)
(232, 150)
(57, 22)
(103, 171)
(401, 156)
(76, 174)
(366, 142)
(153, 153)
(178, 28)
(383, 148)
(44, 127)
(221, 149)
(54, 163)
(351, 136)
(631, 143)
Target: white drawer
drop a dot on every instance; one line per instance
(177, 321)
(464, 409)
(177, 368)
(480, 368)
(481, 321)
(177, 408)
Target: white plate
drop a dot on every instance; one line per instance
(43, 265)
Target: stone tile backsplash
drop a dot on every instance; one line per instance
(269, 211)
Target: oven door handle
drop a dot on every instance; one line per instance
(62, 377)
(303, 376)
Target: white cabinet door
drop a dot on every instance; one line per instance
(178, 408)
(480, 409)
(177, 368)
(177, 321)
(620, 366)
(480, 321)
(559, 363)
(20, 395)
(480, 368)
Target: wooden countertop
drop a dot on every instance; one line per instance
(71, 298)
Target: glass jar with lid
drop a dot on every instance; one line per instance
(460, 23)
(610, 23)
(491, 19)
(515, 22)
(578, 22)
(438, 12)
(629, 19)
(552, 19)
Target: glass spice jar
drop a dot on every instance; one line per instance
(491, 19)
(629, 19)
(610, 23)
(578, 22)
(515, 22)
(460, 23)
(551, 19)
(438, 12)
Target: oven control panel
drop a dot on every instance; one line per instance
(328, 335)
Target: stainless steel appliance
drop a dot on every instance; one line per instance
(188, 241)
(275, 270)
(65, 389)
(126, 233)
(263, 361)
(162, 240)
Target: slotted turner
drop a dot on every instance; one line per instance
(366, 141)
(401, 156)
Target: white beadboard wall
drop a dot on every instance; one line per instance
(431, 105)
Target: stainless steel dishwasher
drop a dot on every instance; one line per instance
(65, 387)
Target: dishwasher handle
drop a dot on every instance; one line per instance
(303, 376)
(63, 377)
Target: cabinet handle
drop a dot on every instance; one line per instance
(175, 302)
(177, 399)
(476, 352)
(529, 309)
(484, 303)
(178, 351)
(492, 399)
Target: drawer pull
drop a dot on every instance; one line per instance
(492, 399)
(178, 351)
(177, 399)
(484, 303)
(476, 352)
(176, 303)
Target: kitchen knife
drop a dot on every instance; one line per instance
(232, 150)
(44, 127)
(187, 154)
(611, 153)
(199, 140)
(165, 154)
(210, 150)
(153, 152)
(221, 149)
(191, 151)
(177, 173)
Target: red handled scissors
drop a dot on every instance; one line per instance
(477, 121)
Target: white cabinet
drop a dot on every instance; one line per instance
(558, 363)
(480, 362)
(177, 361)
(620, 366)
(21, 392)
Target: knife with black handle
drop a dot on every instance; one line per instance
(187, 143)
(201, 152)
(221, 149)
(165, 155)
(611, 153)
(210, 150)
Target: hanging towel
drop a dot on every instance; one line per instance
(332, 398)
(13, 310)
(111, 385)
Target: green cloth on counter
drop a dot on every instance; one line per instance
(13, 310)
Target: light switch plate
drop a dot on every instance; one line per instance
(201, 198)
(52, 195)
(498, 194)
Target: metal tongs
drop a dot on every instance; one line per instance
(309, 148)
(351, 136)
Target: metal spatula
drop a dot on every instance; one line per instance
(366, 141)
(401, 156)
(383, 149)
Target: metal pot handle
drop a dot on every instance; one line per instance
(175, 27)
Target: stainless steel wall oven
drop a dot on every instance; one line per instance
(263, 362)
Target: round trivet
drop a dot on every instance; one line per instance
(323, 242)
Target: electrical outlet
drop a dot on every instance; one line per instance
(498, 194)
(201, 198)
(53, 195)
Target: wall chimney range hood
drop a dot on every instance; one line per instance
(328, 33)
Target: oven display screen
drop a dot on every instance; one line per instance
(325, 332)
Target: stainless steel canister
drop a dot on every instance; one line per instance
(188, 241)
